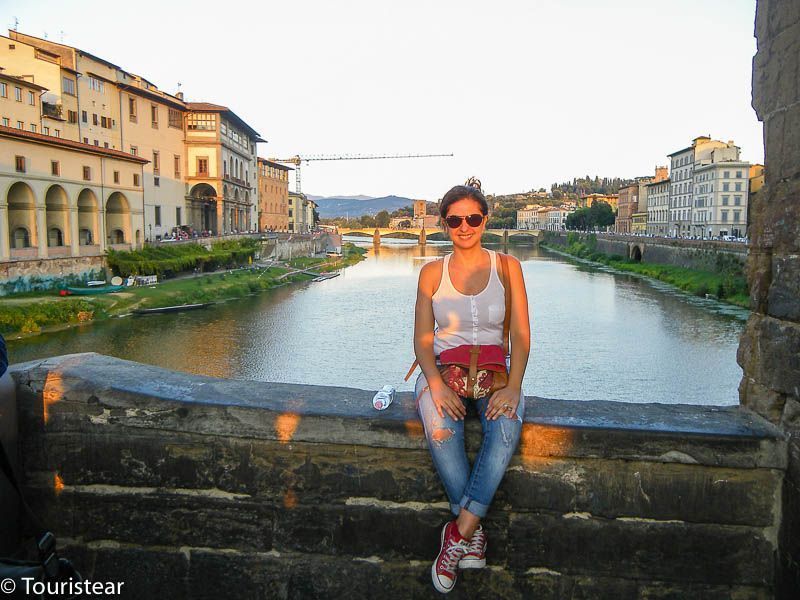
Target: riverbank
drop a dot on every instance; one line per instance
(35, 313)
(729, 286)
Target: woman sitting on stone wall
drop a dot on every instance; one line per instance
(460, 317)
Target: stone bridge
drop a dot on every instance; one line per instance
(422, 235)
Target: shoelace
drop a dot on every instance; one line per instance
(476, 543)
(453, 554)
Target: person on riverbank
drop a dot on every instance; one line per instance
(461, 302)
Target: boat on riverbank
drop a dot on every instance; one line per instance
(169, 309)
(90, 291)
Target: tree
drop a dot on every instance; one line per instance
(601, 214)
(367, 221)
(382, 219)
(406, 211)
(316, 216)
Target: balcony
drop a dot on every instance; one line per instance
(52, 111)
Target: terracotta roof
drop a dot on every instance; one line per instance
(14, 79)
(208, 107)
(80, 146)
(274, 164)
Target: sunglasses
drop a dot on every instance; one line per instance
(454, 221)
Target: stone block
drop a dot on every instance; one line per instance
(775, 72)
(763, 401)
(660, 590)
(640, 549)
(769, 353)
(644, 489)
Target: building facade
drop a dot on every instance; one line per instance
(64, 199)
(273, 196)
(221, 173)
(658, 209)
(589, 199)
(627, 204)
(721, 195)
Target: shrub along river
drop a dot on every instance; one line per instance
(596, 334)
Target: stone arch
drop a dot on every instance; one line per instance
(636, 253)
(21, 215)
(204, 206)
(57, 216)
(118, 219)
(88, 218)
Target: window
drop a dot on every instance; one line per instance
(738, 174)
(157, 181)
(85, 140)
(46, 130)
(96, 84)
(95, 120)
(726, 174)
(158, 215)
(726, 187)
(154, 115)
(33, 127)
(68, 86)
(3, 90)
(737, 200)
(156, 163)
(97, 142)
(724, 216)
(55, 168)
(202, 166)
(135, 180)
(174, 118)
(738, 186)
(84, 116)
(725, 200)
(105, 144)
(18, 94)
(116, 176)
(57, 133)
(134, 150)
(736, 215)
(178, 216)
(177, 163)
(132, 109)
(6, 122)
(20, 125)
(19, 162)
(72, 116)
(31, 98)
(87, 173)
(204, 121)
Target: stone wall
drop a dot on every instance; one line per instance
(702, 255)
(49, 273)
(193, 487)
(769, 351)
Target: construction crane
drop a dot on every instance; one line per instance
(296, 160)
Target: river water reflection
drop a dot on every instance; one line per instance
(596, 335)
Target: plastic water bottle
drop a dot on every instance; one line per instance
(383, 398)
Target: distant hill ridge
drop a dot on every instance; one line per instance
(356, 206)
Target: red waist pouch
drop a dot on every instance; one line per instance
(474, 371)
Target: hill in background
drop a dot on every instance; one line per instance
(356, 206)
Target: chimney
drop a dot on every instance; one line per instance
(179, 95)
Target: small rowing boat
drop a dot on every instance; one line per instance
(169, 309)
(90, 291)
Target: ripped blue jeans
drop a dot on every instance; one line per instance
(472, 489)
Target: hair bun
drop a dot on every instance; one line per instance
(474, 182)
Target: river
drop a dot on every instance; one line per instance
(596, 335)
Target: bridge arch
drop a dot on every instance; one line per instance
(637, 250)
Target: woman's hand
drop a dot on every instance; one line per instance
(446, 400)
(503, 403)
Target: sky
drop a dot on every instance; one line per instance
(523, 93)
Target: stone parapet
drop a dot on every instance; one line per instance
(191, 487)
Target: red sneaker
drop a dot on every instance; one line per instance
(475, 557)
(444, 570)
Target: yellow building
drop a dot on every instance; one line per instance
(65, 199)
(639, 223)
(221, 170)
(756, 176)
(93, 101)
(590, 199)
(273, 196)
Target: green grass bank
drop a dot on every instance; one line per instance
(34, 313)
(728, 285)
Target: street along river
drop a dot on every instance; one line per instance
(596, 335)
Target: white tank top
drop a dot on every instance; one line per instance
(471, 320)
